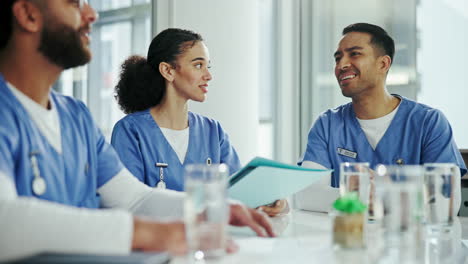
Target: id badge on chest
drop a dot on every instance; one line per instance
(347, 153)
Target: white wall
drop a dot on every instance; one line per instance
(442, 61)
(230, 30)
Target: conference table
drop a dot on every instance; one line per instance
(306, 237)
(303, 237)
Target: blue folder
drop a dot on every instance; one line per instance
(262, 181)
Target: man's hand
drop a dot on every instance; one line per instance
(169, 237)
(153, 236)
(258, 221)
(276, 208)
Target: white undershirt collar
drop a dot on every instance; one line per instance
(46, 120)
(374, 129)
(178, 139)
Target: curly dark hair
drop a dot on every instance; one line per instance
(6, 21)
(141, 85)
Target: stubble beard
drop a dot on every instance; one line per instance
(63, 46)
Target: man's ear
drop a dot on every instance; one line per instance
(385, 63)
(167, 71)
(27, 16)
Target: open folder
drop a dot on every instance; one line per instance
(262, 181)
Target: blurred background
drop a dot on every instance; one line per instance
(272, 61)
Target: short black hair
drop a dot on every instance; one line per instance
(6, 21)
(379, 37)
(141, 85)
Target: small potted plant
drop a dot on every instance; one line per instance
(348, 224)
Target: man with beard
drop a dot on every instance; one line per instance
(53, 158)
(376, 127)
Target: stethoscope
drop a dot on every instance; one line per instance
(161, 184)
(161, 165)
(39, 185)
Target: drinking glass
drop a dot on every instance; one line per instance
(355, 177)
(399, 191)
(438, 191)
(206, 210)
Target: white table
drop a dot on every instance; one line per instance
(306, 237)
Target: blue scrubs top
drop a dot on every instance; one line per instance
(418, 134)
(86, 163)
(141, 144)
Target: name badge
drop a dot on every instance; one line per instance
(347, 153)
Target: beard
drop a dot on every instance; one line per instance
(62, 45)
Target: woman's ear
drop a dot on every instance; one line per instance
(27, 16)
(166, 71)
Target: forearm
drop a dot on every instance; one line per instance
(126, 192)
(30, 226)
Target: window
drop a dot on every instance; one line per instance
(279, 78)
(123, 29)
(267, 86)
(442, 55)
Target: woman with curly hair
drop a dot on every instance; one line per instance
(159, 136)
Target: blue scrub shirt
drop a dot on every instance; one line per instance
(418, 134)
(72, 177)
(141, 144)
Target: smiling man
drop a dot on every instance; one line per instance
(56, 169)
(376, 127)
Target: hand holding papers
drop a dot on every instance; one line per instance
(263, 181)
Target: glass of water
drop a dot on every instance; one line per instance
(399, 191)
(355, 178)
(438, 191)
(206, 210)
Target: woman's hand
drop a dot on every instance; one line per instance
(240, 215)
(274, 209)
